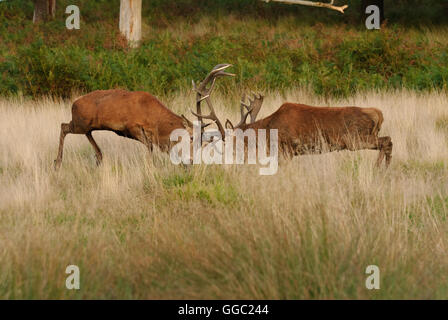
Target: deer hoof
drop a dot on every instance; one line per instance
(98, 160)
(57, 165)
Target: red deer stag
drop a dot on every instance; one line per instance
(135, 115)
(305, 129)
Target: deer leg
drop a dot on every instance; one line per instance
(146, 141)
(98, 154)
(65, 129)
(385, 145)
(140, 134)
(286, 150)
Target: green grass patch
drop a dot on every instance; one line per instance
(424, 167)
(442, 124)
(211, 186)
(438, 206)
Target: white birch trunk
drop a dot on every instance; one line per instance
(131, 21)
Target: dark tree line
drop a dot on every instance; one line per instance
(45, 9)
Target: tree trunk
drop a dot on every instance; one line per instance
(131, 21)
(366, 3)
(44, 10)
(52, 8)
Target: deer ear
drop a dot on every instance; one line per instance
(229, 124)
(187, 123)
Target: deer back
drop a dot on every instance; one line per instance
(125, 112)
(303, 119)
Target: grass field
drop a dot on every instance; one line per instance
(140, 227)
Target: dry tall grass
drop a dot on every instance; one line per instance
(140, 227)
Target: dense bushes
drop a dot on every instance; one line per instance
(334, 60)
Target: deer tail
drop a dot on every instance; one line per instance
(378, 122)
(377, 118)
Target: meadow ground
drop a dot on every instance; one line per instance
(140, 227)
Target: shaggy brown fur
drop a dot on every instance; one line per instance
(305, 129)
(135, 115)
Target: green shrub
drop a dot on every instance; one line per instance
(332, 60)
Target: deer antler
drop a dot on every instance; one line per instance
(190, 124)
(244, 114)
(202, 93)
(255, 105)
(253, 108)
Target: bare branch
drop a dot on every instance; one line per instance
(313, 4)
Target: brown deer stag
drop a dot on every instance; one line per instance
(135, 115)
(304, 129)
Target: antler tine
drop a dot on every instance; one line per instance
(242, 109)
(217, 71)
(202, 93)
(243, 118)
(257, 96)
(243, 103)
(204, 116)
(205, 125)
(212, 86)
(255, 105)
(244, 114)
(211, 116)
